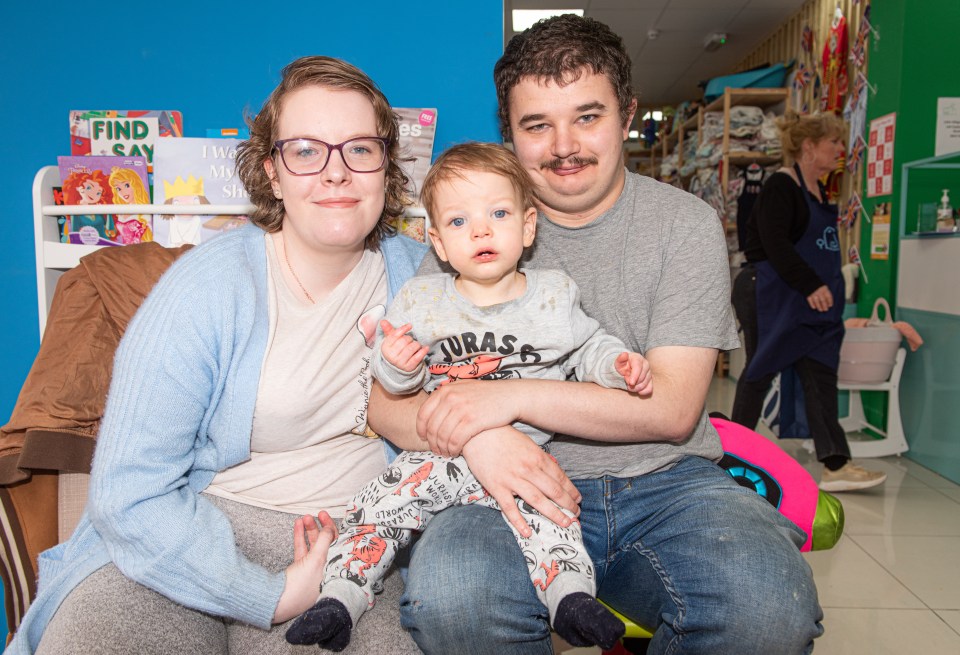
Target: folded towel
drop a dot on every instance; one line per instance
(910, 334)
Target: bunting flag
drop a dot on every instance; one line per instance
(854, 256)
(802, 77)
(851, 211)
(855, 113)
(858, 87)
(856, 154)
(806, 39)
(858, 53)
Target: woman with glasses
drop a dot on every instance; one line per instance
(237, 410)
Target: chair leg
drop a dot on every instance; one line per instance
(855, 418)
(894, 442)
(895, 423)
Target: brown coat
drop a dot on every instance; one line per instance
(57, 415)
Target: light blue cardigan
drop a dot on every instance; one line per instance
(199, 338)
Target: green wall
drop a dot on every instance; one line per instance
(913, 63)
(910, 66)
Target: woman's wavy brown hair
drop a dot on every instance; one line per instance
(330, 73)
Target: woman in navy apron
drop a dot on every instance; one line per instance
(789, 296)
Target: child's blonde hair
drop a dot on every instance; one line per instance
(476, 157)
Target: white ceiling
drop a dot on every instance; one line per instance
(667, 70)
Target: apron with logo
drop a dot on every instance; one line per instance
(788, 328)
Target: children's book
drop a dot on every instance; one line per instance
(229, 132)
(196, 171)
(93, 180)
(121, 132)
(418, 127)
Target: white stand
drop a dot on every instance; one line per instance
(893, 442)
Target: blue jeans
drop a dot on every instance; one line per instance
(712, 566)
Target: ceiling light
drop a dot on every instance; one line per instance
(524, 18)
(714, 41)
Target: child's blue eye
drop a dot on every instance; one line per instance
(500, 213)
(457, 222)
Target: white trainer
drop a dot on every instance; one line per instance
(850, 478)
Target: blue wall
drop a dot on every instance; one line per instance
(210, 64)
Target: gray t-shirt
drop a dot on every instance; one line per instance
(653, 271)
(543, 334)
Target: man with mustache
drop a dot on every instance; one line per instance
(677, 545)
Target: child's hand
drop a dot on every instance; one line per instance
(399, 348)
(635, 370)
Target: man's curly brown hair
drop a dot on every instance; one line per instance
(560, 49)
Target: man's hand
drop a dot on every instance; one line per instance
(507, 463)
(399, 348)
(635, 370)
(305, 575)
(454, 413)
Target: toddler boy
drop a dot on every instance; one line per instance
(492, 321)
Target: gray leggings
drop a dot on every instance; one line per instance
(110, 614)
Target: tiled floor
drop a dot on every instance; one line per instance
(892, 584)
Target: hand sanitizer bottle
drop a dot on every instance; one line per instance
(945, 221)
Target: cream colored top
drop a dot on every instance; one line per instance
(308, 451)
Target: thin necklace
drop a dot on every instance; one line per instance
(294, 273)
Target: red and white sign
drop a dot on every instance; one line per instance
(880, 156)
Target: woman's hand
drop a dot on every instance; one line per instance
(454, 413)
(305, 575)
(507, 463)
(821, 299)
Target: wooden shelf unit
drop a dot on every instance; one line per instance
(763, 98)
(675, 140)
(644, 160)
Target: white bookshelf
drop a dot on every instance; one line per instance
(54, 258)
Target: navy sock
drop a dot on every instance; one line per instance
(326, 624)
(582, 621)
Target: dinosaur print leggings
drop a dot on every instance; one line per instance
(405, 497)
